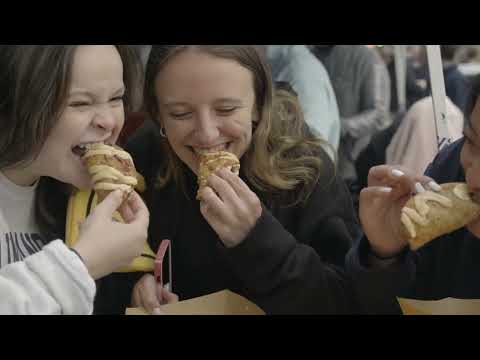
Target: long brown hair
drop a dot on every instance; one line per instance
(34, 85)
(284, 155)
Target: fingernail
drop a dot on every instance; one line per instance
(157, 312)
(419, 188)
(386, 189)
(397, 173)
(434, 186)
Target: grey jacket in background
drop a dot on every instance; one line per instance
(362, 87)
(296, 65)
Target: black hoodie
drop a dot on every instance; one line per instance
(291, 263)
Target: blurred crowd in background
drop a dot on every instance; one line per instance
(349, 96)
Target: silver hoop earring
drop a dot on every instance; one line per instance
(162, 132)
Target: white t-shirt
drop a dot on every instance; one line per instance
(19, 235)
(34, 278)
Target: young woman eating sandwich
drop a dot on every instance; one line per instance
(272, 221)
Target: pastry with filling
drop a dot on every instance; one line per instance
(211, 162)
(111, 168)
(429, 215)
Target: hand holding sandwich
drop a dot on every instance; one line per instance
(381, 204)
(106, 245)
(399, 209)
(230, 207)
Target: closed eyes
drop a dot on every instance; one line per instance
(85, 103)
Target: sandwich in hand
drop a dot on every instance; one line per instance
(429, 215)
(111, 169)
(211, 162)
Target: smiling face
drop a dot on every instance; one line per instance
(206, 104)
(94, 113)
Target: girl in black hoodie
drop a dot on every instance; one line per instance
(278, 233)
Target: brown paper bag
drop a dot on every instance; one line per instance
(449, 306)
(221, 303)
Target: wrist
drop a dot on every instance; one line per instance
(86, 258)
(386, 256)
(230, 244)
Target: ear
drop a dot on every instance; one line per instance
(159, 120)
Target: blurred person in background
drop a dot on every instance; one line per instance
(414, 90)
(297, 66)
(468, 58)
(415, 143)
(456, 84)
(362, 87)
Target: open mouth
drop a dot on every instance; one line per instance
(80, 150)
(199, 152)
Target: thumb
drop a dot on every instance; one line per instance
(160, 293)
(373, 192)
(168, 297)
(158, 312)
(110, 205)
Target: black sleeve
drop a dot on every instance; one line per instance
(114, 293)
(301, 273)
(375, 289)
(328, 222)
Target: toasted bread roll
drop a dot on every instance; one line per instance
(111, 169)
(211, 162)
(429, 215)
